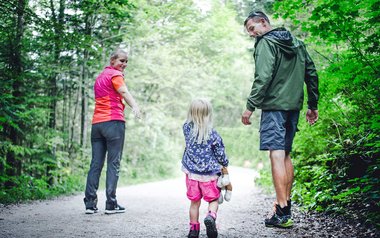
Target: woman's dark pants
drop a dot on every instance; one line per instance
(106, 138)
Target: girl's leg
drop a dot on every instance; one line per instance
(194, 211)
(213, 206)
(209, 221)
(194, 217)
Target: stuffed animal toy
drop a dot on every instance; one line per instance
(225, 184)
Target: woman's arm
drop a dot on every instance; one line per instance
(123, 91)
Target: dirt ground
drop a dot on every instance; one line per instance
(160, 209)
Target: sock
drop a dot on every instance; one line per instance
(282, 211)
(195, 226)
(290, 206)
(213, 214)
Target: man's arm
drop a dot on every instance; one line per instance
(311, 80)
(265, 57)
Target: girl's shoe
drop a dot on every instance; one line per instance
(211, 230)
(193, 234)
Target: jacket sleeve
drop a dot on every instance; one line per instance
(186, 132)
(219, 150)
(265, 57)
(311, 80)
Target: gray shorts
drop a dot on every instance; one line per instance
(277, 129)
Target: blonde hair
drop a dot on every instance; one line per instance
(116, 54)
(200, 114)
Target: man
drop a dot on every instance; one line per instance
(282, 65)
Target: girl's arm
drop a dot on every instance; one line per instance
(219, 151)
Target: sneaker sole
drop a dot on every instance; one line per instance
(114, 211)
(288, 224)
(211, 230)
(88, 211)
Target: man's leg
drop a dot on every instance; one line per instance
(280, 140)
(290, 175)
(280, 176)
(291, 129)
(281, 217)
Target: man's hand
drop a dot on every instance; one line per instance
(312, 116)
(245, 117)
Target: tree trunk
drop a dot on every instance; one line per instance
(15, 63)
(58, 22)
(84, 93)
(89, 21)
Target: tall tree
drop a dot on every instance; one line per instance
(14, 63)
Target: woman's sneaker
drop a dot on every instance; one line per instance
(90, 206)
(211, 230)
(91, 210)
(114, 208)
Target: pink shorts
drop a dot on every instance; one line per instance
(196, 190)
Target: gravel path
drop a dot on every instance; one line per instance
(160, 209)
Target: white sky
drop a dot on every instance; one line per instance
(204, 5)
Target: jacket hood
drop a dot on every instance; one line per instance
(283, 39)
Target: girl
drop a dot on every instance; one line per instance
(107, 133)
(202, 161)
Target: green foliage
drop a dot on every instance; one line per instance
(178, 54)
(337, 160)
(177, 51)
(241, 146)
(31, 188)
(42, 79)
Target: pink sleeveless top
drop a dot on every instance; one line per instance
(108, 102)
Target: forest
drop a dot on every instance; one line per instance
(52, 50)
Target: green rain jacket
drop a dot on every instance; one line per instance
(282, 66)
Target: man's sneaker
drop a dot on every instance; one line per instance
(279, 221)
(112, 209)
(193, 234)
(281, 218)
(211, 230)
